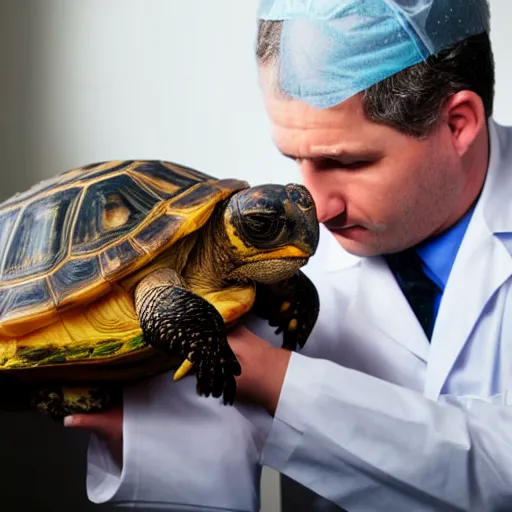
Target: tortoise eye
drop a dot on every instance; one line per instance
(261, 226)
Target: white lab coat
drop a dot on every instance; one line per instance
(372, 416)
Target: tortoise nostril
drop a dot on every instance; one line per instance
(300, 195)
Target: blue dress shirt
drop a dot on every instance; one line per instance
(438, 254)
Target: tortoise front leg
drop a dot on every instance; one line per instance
(292, 306)
(184, 324)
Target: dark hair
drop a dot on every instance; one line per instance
(411, 99)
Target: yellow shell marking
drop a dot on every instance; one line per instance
(114, 215)
(111, 317)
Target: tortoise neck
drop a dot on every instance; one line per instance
(211, 262)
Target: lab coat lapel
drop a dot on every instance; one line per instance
(380, 308)
(482, 265)
(474, 279)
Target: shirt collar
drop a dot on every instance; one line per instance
(438, 254)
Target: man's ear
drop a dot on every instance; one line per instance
(464, 115)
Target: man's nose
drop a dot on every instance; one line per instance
(328, 198)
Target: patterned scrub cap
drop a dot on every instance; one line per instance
(333, 49)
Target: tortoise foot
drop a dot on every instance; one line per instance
(59, 402)
(292, 306)
(185, 325)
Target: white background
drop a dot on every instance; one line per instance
(118, 79)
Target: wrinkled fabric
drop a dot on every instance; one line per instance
(333, 49)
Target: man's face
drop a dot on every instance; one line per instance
(376, 190)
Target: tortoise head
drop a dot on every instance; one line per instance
(272, 231)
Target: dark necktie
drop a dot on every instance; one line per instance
(419, 290)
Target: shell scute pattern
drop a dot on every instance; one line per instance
(156, 178)
(92, 172)
(66, 239)
(110, 209)
(38, 238)
(158, 232)
(196, 196)
(76, 176)
(74, 275)
(117, 257)
(32, 294)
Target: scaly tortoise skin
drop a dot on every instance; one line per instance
(121, 270)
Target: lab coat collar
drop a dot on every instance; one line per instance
(483, 263)
(495, 197)
(378, 307)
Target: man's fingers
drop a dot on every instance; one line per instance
(108, 424)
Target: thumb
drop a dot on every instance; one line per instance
(107, 425)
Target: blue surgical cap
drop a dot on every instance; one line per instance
(333, 49)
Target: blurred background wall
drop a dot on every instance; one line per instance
(166, 79)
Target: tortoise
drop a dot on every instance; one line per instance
(117, 271)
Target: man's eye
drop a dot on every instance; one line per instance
(333, 163)
(354, 165)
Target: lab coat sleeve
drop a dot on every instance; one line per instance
(181, 452)
(366, 444)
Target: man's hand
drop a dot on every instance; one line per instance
(107, 425)
(263, 371)
(263, 368)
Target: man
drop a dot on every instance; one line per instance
(399, 400)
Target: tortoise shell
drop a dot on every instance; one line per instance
(66, 240)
